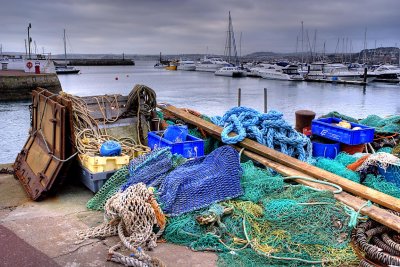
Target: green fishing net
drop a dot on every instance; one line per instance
(336, 114)
(273, 224)
(383, 125)
(338, 168)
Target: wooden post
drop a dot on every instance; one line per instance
(365, 75)
(239, 96)
(265, 100)
(347, 185)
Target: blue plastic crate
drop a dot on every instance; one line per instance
(327, 128)
(190, 148)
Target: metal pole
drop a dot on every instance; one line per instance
(29, 42)
(265, 100)
(239, 96)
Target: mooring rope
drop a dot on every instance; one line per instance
(269, 129)
(131, 215)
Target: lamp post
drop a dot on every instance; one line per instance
(29, 42)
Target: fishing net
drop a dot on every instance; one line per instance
(111, 186)
(150, 168)
(383, 125)
(338, 168)
(201, 182)
(272, 224)
(335, 114)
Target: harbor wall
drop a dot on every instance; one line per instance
(14, 87)
(96, 62)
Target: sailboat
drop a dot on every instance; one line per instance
(231, 55)
(66, 69)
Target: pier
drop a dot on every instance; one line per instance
(17, 85)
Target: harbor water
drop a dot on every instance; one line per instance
(208, 94)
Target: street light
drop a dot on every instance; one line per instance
(29, 42)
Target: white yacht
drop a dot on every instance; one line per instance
(230, 72)
(320, 71)
(276, 72)
(387, 73)
(186, 65)
(211, 64)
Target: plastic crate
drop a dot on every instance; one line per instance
(327, 128)
(94, 181)
(190, 148)
(391, 174)
(103, 164)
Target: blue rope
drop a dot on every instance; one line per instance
(269, 129)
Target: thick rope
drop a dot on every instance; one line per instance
(131, 215)
(269, 129)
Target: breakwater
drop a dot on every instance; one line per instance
(18, 85)
(97, 62)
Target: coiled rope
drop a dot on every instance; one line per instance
(131, 215)
(376, 245)
(88, 135)
(269, 129)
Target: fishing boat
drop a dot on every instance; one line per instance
(65, 69)
(161, 64)
(230, 72)
(172, 66)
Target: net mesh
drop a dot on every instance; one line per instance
(201, 182)
(271, 218)
(390, 124)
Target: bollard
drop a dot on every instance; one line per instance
(303, 119)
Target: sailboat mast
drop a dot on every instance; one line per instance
(65, 50)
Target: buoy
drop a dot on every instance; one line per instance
(116, 78)
(127, 75)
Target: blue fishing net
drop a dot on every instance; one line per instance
(201, 182)
(150, 168)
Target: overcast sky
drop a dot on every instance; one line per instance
(197, 26)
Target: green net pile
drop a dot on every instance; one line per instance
(383, 125)
(339, 166)
(273, 224)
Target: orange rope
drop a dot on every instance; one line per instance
(357, 164)
(160, 217)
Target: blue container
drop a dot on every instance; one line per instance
(326, 128)
(176, 133)
(325, 150)
(191, 148)
(392, 174)
(110, 148)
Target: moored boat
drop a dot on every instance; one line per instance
(230, 72)
(187, 65)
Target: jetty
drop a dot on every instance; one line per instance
(246, 186)
(96, 62)
(17, 85)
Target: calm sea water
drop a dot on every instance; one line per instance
(209, 94)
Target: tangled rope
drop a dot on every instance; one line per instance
(131, 215)
(380, 159)
(269, 129)
(88, 135)
(141, 102)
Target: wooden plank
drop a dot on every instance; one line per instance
(378, 214)
(347, 185)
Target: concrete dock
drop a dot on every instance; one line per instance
(44, 233)
(17, 84)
